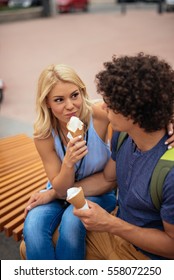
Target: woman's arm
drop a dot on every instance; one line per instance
(101, 182)
(60, 174)
(95, 184)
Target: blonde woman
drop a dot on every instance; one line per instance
(62, 94)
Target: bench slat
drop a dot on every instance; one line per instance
(11, 216)
(30, 188)
(18, 162)
(15, 153)
(17, 232)
(11, 139)
(30, 161)
(22, 173)
(20, 201)
(8, 228)
(17, 176)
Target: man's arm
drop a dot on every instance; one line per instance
(101, 182)
(96, 184)
(152, 240)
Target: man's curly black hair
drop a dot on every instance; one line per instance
(140, 87)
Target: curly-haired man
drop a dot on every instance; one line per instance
(139, 98)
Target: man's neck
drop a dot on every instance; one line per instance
(144, 140)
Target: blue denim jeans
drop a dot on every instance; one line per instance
(42, 221)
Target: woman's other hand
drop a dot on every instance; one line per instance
(170, 140)
(39, 198)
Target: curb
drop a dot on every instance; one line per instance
(21, 14)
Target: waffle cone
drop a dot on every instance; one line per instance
(78, 132)
(78, 200)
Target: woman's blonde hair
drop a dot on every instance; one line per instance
(45, 120)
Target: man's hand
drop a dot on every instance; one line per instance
(95, 218)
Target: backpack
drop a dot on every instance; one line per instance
(162, 168)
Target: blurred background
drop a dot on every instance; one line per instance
(83, 34)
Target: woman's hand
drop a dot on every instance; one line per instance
(170, 140)
(39, 198)
(76, 150)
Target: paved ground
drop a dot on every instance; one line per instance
(83, 41)
(9, 249)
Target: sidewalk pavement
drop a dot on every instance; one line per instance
(9, 249)
(9, 127)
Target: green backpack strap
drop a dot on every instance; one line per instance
(162, 168)
(122, 136)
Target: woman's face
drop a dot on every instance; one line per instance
(65, 101)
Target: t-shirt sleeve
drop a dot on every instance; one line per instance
(114, 142)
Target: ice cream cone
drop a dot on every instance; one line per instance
(78, 132)
(75, 196)
(75, 127)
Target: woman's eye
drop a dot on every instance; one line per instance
(75, 95)
(58, 100)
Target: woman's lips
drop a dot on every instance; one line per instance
(70, 115)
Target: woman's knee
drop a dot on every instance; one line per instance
(33, 224)
(42, 219)
(70, 223)
(106, 201)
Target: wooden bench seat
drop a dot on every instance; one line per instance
(21, 174)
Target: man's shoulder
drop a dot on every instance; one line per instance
(118, 139)
(114, 139)
(115, 135)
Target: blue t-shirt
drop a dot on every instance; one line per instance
(134, 170)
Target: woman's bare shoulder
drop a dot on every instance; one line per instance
(44, 145)
(98, 112)
(100, 120)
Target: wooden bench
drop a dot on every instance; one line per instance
(21, 174)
